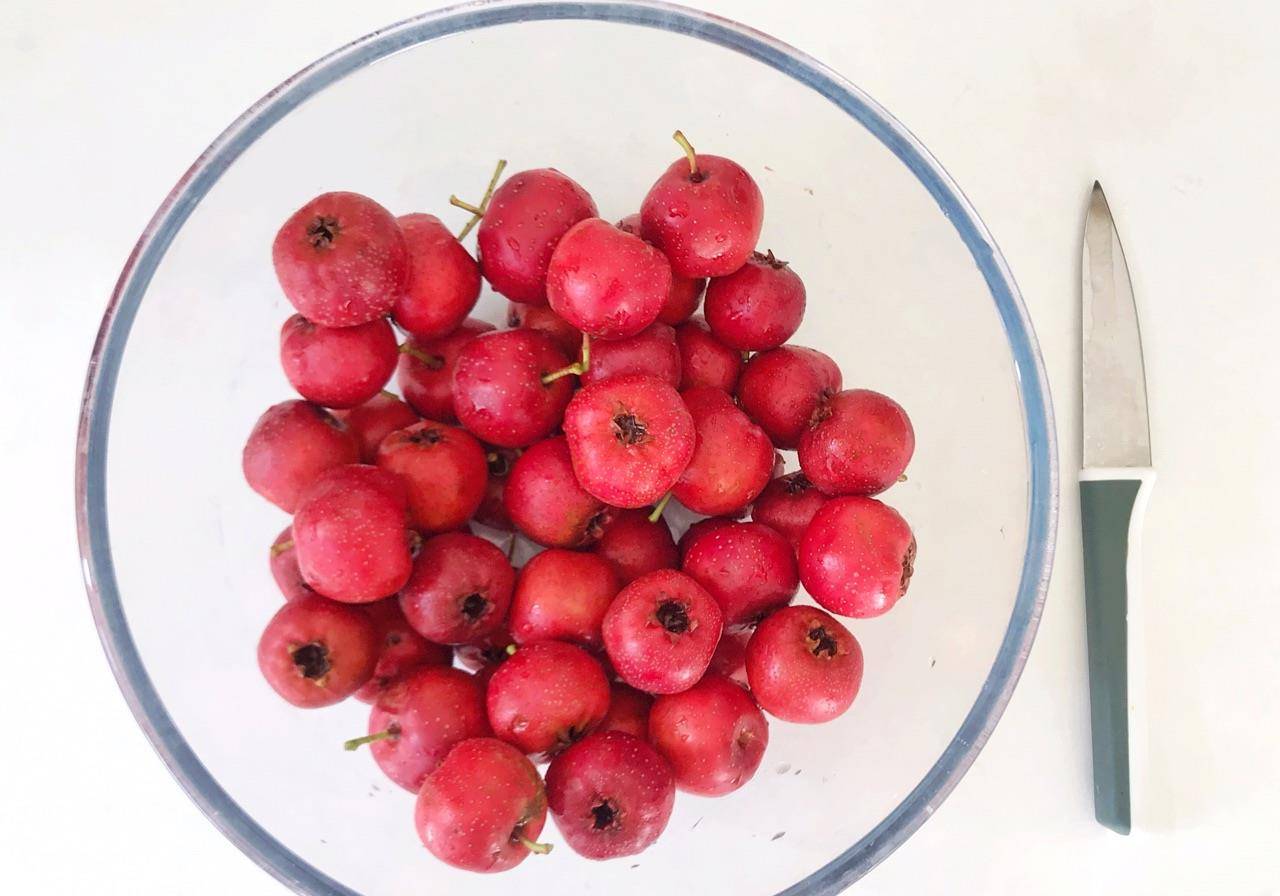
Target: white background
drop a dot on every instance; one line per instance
(1172, 106)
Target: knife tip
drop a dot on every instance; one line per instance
(1097, 188)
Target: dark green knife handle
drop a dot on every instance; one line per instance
(1106, 508)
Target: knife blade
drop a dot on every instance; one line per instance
(1116, 430)
(1115, 483)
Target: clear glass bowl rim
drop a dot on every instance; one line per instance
(108, 350)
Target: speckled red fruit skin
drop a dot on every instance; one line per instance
(562, 596)
(686, 292)
(284, 567)
(652, 351)
(611, 795)
(545, 501)
(492, 511)
(374, 420)
(541, 318)
(636, 546)
(337, 367)
(706, 223)
(400, 649)
(606, 282)
(857, 556)
(526, 218)
(444, 472)
(787, 505)
(747, 567)
(291, 444)
(732, 457)
(781, 390)
(630, 438)
(425, 374)
(341, 260)
(351, 535)
(546, 696)
(498, 393)
(428, 711)
(803, 666)
(713, 735)
(315, 652)
(444, 280)
(628, 711)
(704, 359)
(860, 444)
(460, 589)
(757, 307)
(730, 658)
(698, 530)
(475, 808)
(661, 631)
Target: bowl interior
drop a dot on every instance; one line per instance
(895, 297)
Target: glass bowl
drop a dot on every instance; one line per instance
(907, 291)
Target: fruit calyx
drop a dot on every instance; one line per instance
(821, 643)
(474, 607)
(427, 437)
(629, 429)
(604, 815)
(673, 616)
(323, 231)
(908, 567)
(768, 258)
(797, 484)
(312, 661)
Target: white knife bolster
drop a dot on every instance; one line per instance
(1146, 475)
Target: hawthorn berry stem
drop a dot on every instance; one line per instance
(466, 206)
(657, 511)
(574, 369)
(357, 742)
(419, 354)
(533, 846)
(680, 138)
(281, 547)
(477, 211)
(577, 368)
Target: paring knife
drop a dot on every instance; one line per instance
(1115, 482)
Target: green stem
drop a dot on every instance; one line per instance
(465, 206)
(574, 369)
(477, 212)
(680, 138)
(357, 742)
(586, 353)
(432, 361)
(533, 846)
(657, 511)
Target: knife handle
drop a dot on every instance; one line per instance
(1112, 507)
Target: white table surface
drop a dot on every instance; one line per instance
(1172, 106)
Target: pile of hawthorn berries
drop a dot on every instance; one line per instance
(634, 664)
